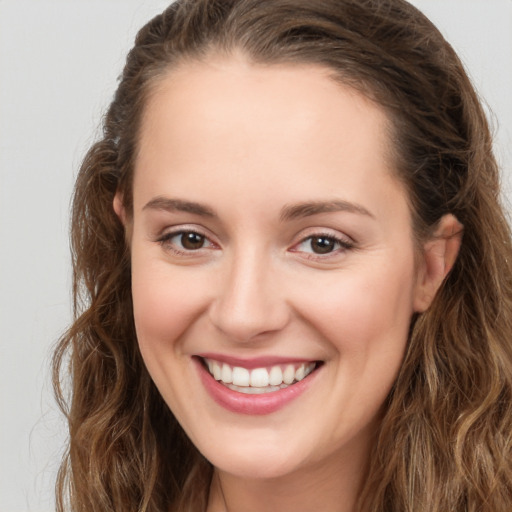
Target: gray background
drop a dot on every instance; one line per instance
(59, 60)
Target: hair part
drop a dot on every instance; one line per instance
(445, 441)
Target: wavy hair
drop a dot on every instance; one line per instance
(445, 442)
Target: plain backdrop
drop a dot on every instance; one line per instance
(59, 60)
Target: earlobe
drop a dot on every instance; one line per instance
(438, 257)
(119, 207)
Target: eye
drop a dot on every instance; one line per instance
(185, 241)
(322, 244)
(189, 240)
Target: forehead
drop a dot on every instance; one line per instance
(257, 128)
(224, 94)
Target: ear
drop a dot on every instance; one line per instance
(119, 208)
(436, 260)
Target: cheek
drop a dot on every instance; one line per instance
(365, 321)
(365, 313)
(165, 304)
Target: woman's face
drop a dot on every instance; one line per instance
(270, 241)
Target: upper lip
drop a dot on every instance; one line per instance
(254, 362)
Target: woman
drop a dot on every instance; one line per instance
(292, 271)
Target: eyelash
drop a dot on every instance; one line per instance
(165, 241)
(339, 244)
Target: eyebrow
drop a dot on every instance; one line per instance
(180, 205)
(288, 212)
(307, 209)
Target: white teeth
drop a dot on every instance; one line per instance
(300, 373)
(216, 370)
(276, 376)
(248, 390)
(226, 374)
(241, 376)
(289, 374)
(259, 380)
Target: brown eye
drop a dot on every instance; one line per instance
(322, 244)
(192, 241)
(183, 242)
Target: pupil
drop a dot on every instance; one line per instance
(322, 245)
(192, 241)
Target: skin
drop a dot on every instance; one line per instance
(246, 141)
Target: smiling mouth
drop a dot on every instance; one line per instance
(259, 380)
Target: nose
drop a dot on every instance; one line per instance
(249, 301)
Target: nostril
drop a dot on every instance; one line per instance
(244, 325)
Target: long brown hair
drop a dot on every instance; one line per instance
(445, 443)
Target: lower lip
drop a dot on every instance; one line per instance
(242, 403)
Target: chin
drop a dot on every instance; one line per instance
(255, 460)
